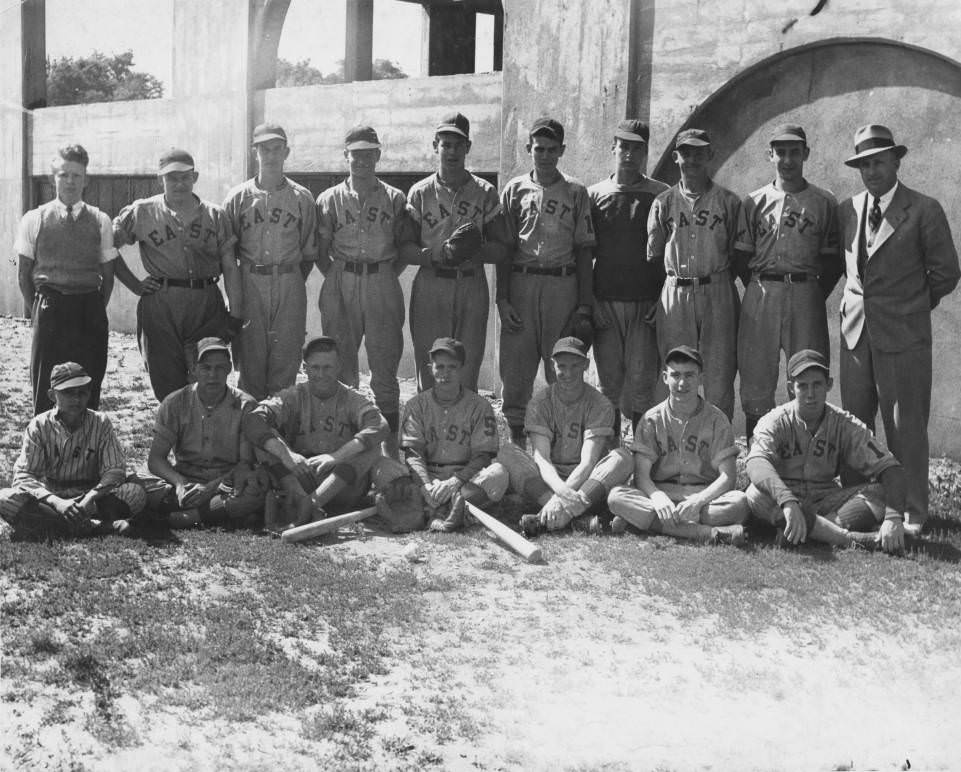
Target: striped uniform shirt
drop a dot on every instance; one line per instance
(55, 460)
(363, 230)
(568, 424)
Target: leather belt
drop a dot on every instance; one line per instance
(565, 270)
(787, 278)
(453, 273)
(188, 283)
(689, 281)
(361, 268)
(271, 270)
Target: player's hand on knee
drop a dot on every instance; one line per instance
(795, 528)
(510, 319)
(892, 537)
(322, 465)
(189, 494)
(296, 463)
(664, 508)
(689, 510)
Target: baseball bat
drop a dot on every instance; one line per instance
(530, 552)
(328, 525)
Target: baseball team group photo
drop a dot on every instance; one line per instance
(463, 471)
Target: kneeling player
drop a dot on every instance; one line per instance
(684, 464)
(214, 478)
(323, 436)
(70, 477)
(569, 424)
(796, 455)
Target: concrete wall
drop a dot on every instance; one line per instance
(11, 155)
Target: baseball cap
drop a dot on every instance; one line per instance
(872, 139)
(689, 353)
(268, 131)
(692, 138)
(206, 345)
(68, 375)
(547, 127)
(176, 160)
(788, 132)
(805, 359)
(450, 346)
(455, 123)
(633, 131)
(361, 138)
(570, 345)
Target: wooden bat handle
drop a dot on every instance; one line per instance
(312, 530)
(530, 552)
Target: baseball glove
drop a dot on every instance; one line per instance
(580, 324)
(463, 244)
(400, 505)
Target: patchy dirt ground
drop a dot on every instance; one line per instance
(616, 654)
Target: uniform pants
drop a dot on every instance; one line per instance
(899, 383)
(776, 315)
(163, 497)
(633, 506)
(370, 308)
(856, 507)
(544, 304)
(67, 328)
(268, 351)
(625, 351)
(704, 316)
(170, 321)
(449, 307)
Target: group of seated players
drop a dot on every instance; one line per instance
(319, 444)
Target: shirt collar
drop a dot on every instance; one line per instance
(886, 198)
(75, 210)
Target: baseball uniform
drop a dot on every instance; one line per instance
(546, 225)
(276, 231)
(694, 237)
(451, 302)
(686, 456)
(186, 258)
(626, 288)
(66, 251)
(361, 298)
(793, 243)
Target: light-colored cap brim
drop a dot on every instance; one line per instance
(447, 129)
(176, 166)
(79, 380)
(629, 136)
(362, 145)
(693, 142)
(573, 351)
(268, 137)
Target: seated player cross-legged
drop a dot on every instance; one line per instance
(569, 424)
(449, 438)
(684, 464)
(797, 455)
(322, 437)
(214, 478)
(70, 478)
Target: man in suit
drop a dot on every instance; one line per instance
(900, 261)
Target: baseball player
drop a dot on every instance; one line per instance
(275, 223)
(569, 424)
(692, 231)
(797, 453)
(185, 245)
(684, 464)
(626, 286)
(70, 477)
(787, 258)
(361, 224)
(215, 478)
(449, 296)
(449, 438)
(65, 251)
(322, 437)
(548, 274)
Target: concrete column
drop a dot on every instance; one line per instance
(358, 60)
(451, 40)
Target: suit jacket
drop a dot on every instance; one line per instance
(911, 264)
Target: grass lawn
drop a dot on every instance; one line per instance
(209, 650)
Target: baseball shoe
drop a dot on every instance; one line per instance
(729, 534)
(913, 530)
(618, 525)
(453, 522)
(866, 540)
(592, 525)
(531, 525)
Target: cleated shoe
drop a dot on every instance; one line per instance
(618, 525)
(453, 522)
(866, 540)
(729, 534)
(592, 525)
(530, 525)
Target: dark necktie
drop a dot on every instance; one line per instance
(70, 212)
(874, 219)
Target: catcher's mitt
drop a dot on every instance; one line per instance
(463, 244)
(580, 324)
(400, 505)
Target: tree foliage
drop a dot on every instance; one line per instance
(303, 73)
(98, 78)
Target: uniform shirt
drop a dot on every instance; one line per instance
(789, 232)
(620, 212)
(801, 459)
(171, 248)
(273, 227)
(686, 451)
(312, 426)
(439, 210)
(568, 425)
(53, 458)
(370, 235)
(693, 236)
(206, 443)
(547, 223)
(446, 435)
(89, 244)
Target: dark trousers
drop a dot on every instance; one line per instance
(67, 328)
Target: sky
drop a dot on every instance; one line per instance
(314, 30)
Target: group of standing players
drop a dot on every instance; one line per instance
(649, 268)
